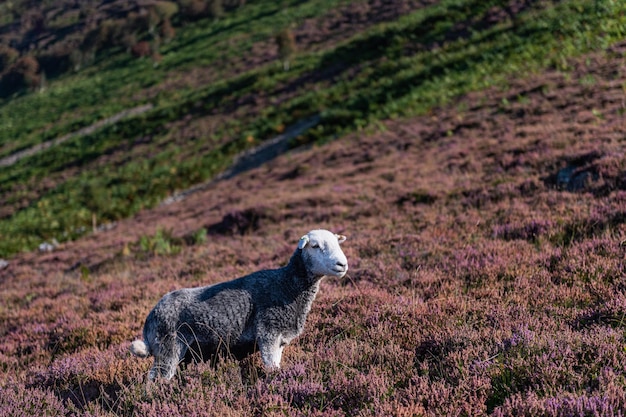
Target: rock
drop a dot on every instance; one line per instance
(48, 247)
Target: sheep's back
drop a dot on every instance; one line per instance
(217, 316)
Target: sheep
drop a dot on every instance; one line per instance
(262, 311)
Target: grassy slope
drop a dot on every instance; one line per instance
(203, 117)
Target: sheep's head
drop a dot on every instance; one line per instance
(322, 254)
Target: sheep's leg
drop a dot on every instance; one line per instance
(170, 352)
(271, 352)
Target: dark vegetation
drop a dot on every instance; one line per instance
(477, 169)
(66, 35)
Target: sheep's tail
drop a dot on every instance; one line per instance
(139, 348)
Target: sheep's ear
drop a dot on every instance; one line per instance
(303, 241)
(341, 238)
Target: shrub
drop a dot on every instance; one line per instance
(56, 59)
(167, 30)
(33, 21)
(232, 4)
(286, 42)
(8, 56)
(26, 65)
(165, 9)
(162, 243)
(24, 73)
(112, 33)
(141, 49)
(215, 8)
(193, 9)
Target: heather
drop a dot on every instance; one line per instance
(486, 242)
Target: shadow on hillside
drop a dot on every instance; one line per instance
(242, 222)
(250, 159)
(197, 40)
(447, 25)
(121, 396)
(367, 100)
(423, 35)
(81, 393)
(269, 149)
(393, 43)
(225, 99)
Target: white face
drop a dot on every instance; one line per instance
(321, 252)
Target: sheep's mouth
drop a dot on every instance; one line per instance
(340, 272)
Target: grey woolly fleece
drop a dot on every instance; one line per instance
(231, 314)
(266, 309)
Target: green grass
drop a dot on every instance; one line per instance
(396, 69)
(108, 87)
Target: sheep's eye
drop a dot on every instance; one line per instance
(315, 245)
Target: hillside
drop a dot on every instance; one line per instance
(224, 85)
(486, 249)
(482, 189)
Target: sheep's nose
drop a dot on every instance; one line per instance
(342, 264)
